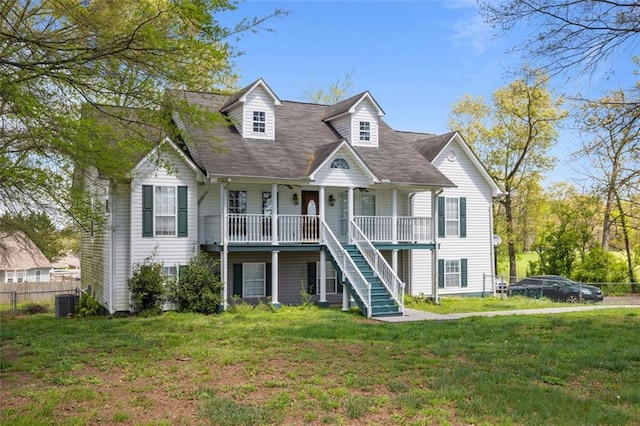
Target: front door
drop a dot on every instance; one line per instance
(310, 207)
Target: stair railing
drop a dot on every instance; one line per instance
(379, 265)
(348, 267)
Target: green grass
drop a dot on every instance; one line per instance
(452, 305)
(316, 366)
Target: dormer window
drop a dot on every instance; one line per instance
(259, 122)
(365, 131)
(340, 163)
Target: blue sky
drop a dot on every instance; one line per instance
(416, 58)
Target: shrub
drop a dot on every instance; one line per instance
(33, 308)
(88, 306)
(600, 266)
(147, 285)
(198, 289)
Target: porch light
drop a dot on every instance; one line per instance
(332, 200)
(296, 200)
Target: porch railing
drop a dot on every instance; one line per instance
(409, 229)
(380, 267)
(348, 267)
(414, 229)
(256, 228)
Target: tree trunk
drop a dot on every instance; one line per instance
(511, 244)
(627, 245)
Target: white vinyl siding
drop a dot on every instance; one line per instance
(168, 249)
(258, 100)
(364, 112)
(476, 246)
(355, 176)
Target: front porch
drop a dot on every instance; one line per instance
(260, 229)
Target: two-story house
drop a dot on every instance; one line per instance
(298, 198)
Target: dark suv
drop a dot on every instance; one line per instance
(556, 287)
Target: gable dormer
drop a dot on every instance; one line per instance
(253, 112)
(356, 119)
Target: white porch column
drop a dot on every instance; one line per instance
(345, 298)
(394, 216)
(323, 280)
(394, 260)
(274, 278)
(434, 252)
(350, 205)
(274, 214)
(321, 208)
(223, 239)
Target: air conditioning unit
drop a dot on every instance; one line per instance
(66, 304)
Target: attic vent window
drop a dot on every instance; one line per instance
(339, 163)
(259, 120)
(365, 131)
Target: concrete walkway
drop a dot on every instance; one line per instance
(415, 315)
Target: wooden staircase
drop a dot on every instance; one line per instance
(382, 303)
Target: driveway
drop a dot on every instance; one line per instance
(608, 303)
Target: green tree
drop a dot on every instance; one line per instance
(334, 93)
(58, 55)
(512, 137)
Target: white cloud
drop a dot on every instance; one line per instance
(472, 32)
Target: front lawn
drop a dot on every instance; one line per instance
(313, 366)
(454, 305)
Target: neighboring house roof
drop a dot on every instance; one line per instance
(299, 132)
(20, 253)
(69, 261)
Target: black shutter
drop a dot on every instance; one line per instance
(441, 217)
(440, 273)
(182, 211)
(463, 217)
(267, 273)
(463, 270)
(311, 277)
(147, 211)
(339, 286)
(237, 279)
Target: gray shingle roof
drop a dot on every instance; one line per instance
(430, 147)
(301, 137)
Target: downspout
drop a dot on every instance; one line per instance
(434, 253)
(112, 278)
(223, 267)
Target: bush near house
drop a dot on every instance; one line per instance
(198, 289)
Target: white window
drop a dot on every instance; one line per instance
(365, 131)
(332, 278)
(165, 210)
(171, 272)
(20, 275)
(367, 205)
(253, 279)
(238, 202)
(10, 276)
(37, 275)
(452, 216)
(339, 163)
(259, 122)
(452, 273)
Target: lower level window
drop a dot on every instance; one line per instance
(20, 276)
(10, 276)
(332, 278)
(37, 276)
(171, 272)
(452, 273)
(253, 279)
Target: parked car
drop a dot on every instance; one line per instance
(555, 287)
